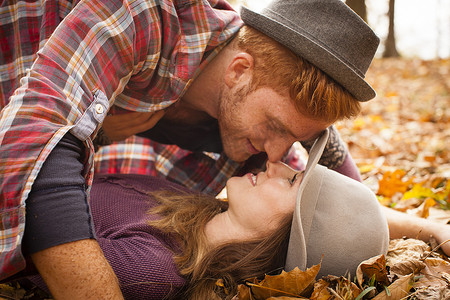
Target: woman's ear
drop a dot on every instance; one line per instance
(239, 69)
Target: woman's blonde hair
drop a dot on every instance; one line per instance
(314, 93)
(185, 215)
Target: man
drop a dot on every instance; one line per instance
(149, 56)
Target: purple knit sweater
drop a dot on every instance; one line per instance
(137, 252)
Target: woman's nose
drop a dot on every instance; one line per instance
(279, 169)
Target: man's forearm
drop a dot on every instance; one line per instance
(77, 270)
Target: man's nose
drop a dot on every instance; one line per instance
(277, 149)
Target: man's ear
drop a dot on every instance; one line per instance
(239, 69)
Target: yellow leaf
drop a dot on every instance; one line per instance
(359, 123)
(263, 292)
(418, 191)
(366, 168)
(376, 118)
(391, 94)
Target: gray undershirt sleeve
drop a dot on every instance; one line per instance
(57, 209)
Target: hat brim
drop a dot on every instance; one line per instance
(302, 218)
(316, 54)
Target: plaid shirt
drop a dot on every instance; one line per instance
(139, 55)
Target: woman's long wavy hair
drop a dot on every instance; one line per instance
(186, 215)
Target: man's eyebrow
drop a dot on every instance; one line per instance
(280, 126)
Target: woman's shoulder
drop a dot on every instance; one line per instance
(137, 182)
(123, 201)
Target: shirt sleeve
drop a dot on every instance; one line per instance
(335, 151)
(57, 207)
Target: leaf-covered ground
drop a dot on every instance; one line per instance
(401, 140)
(401, 145)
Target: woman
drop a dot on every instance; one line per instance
(163, 241)
(142, 222)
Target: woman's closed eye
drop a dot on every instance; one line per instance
(292, 180)
(296, 177)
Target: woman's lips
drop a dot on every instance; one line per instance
(252, 178)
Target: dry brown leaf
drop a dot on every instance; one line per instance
(321, 291)
(220, 284)
(407, 266)
(399, 289)
(243, 293)
(292, 283)
(330, 287)
(263, 292)
(432, 293)
(404, 205)
(286, 298)
(404, 249)
(373, 266)
(423, 211)
(435, 274)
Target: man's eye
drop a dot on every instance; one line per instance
(292, 180)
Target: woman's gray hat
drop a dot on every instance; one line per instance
(336, 217)
(327, 33)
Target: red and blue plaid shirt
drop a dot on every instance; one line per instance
(140, 55)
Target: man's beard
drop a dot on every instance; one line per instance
(231, 123)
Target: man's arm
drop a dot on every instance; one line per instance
(59, 230)
(84, 64)
(77, 270)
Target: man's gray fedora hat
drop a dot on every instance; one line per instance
(327, 33)
(336, 217)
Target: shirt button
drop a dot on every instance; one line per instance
(99, 108)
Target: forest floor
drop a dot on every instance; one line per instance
(400, 143)
(401, 140)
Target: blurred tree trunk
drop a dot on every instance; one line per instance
(390, 50)
(359, 7)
